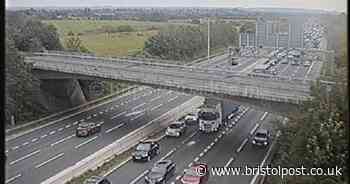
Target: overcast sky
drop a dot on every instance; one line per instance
(338, 5)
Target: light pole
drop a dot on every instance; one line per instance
(208, 40)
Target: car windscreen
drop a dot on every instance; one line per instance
(143, 147)
(175, 126)
(160, 170)
(191, 172)
(83, 125)
(208, 116)
(260, 135)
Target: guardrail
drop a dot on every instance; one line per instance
(130, 140)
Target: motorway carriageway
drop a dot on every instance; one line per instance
(216, 149)
(42, 153)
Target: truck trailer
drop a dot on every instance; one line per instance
(210, 116)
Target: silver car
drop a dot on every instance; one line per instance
(176, 129)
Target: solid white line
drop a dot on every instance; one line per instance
(116, 127)
(35, 139)
(134, 108)
(86, 142)
(116, 167)
(51, 159)
(118, 115)
(155, 98)
(62, 140)
(263, 117)
(309, 70)
(242, 145)
(253, 130)
(139, 177)
(132, 119)
(13, 178)
(156, 107)
(43, 136)
(172, 99)
(22, 158)
(229, 162)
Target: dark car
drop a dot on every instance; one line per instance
(196, 174)
(191, 119)
(261, 137)
(86, 129)
(161, 172)
(145, 151)
(97, 180)
(176, 129)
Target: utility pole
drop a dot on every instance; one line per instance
(208, 40)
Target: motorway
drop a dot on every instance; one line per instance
(40, 154)
(231, 148)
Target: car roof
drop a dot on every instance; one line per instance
(93, 180)
(147, 141)
(163, 163)
(176, 122)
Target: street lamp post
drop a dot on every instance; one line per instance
(208, 40)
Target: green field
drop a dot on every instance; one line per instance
(115, 44)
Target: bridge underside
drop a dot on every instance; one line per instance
(264, 105)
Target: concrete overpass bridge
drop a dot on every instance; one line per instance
(264, 91)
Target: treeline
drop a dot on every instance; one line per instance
(317, 135)
(187, 42)
(24, 34)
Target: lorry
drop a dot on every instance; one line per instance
(210, 116)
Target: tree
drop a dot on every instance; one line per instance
(74, 43)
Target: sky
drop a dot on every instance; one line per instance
(331, 5)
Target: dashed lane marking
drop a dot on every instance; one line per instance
(62, 140)
(60, 129)
(139, 177)
(50, 160)
(35, 139)
(122, 113)
(13, 178)
(229, 162)
(263, 117)
(153, 99)
(254, 129)
(156, 107)
(43, 136)
(172, 99)
(52, 132)
(242, 145)
(116, 127)
(86, 142)
(134, 108)
(27, 156)
(67, 126)
(75, 123)
(138, 116)
(25, 143)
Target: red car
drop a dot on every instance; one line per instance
(196, 174)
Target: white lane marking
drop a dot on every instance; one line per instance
(253, 130)
(178, 177)
(26, 156)
(172, 99)
(201, 154)
(189, 137)
(35, 139)
(75, 123)
(265, 158)
(89, 117)
(309, 70)
(118, 115)
(139, 177)
(81, 120)
(43, 136)
(86, 142)
(13, 178)
(132, 119)
(112, 108)
(168, 154)
(229, 162)
(25, 143)
(6, 151)
(196, 159)
(134, 108)
(60, 129)
(52, 132)
(62, 140)
(263, 117)
(242, 145)
(156, 107)
(67, 126)
(116, 167)
(116, 127)
(50, 160)
(155, 98)
(15, 147)
(101, 122)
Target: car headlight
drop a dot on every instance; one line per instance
(265, 143)
(254, 141)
